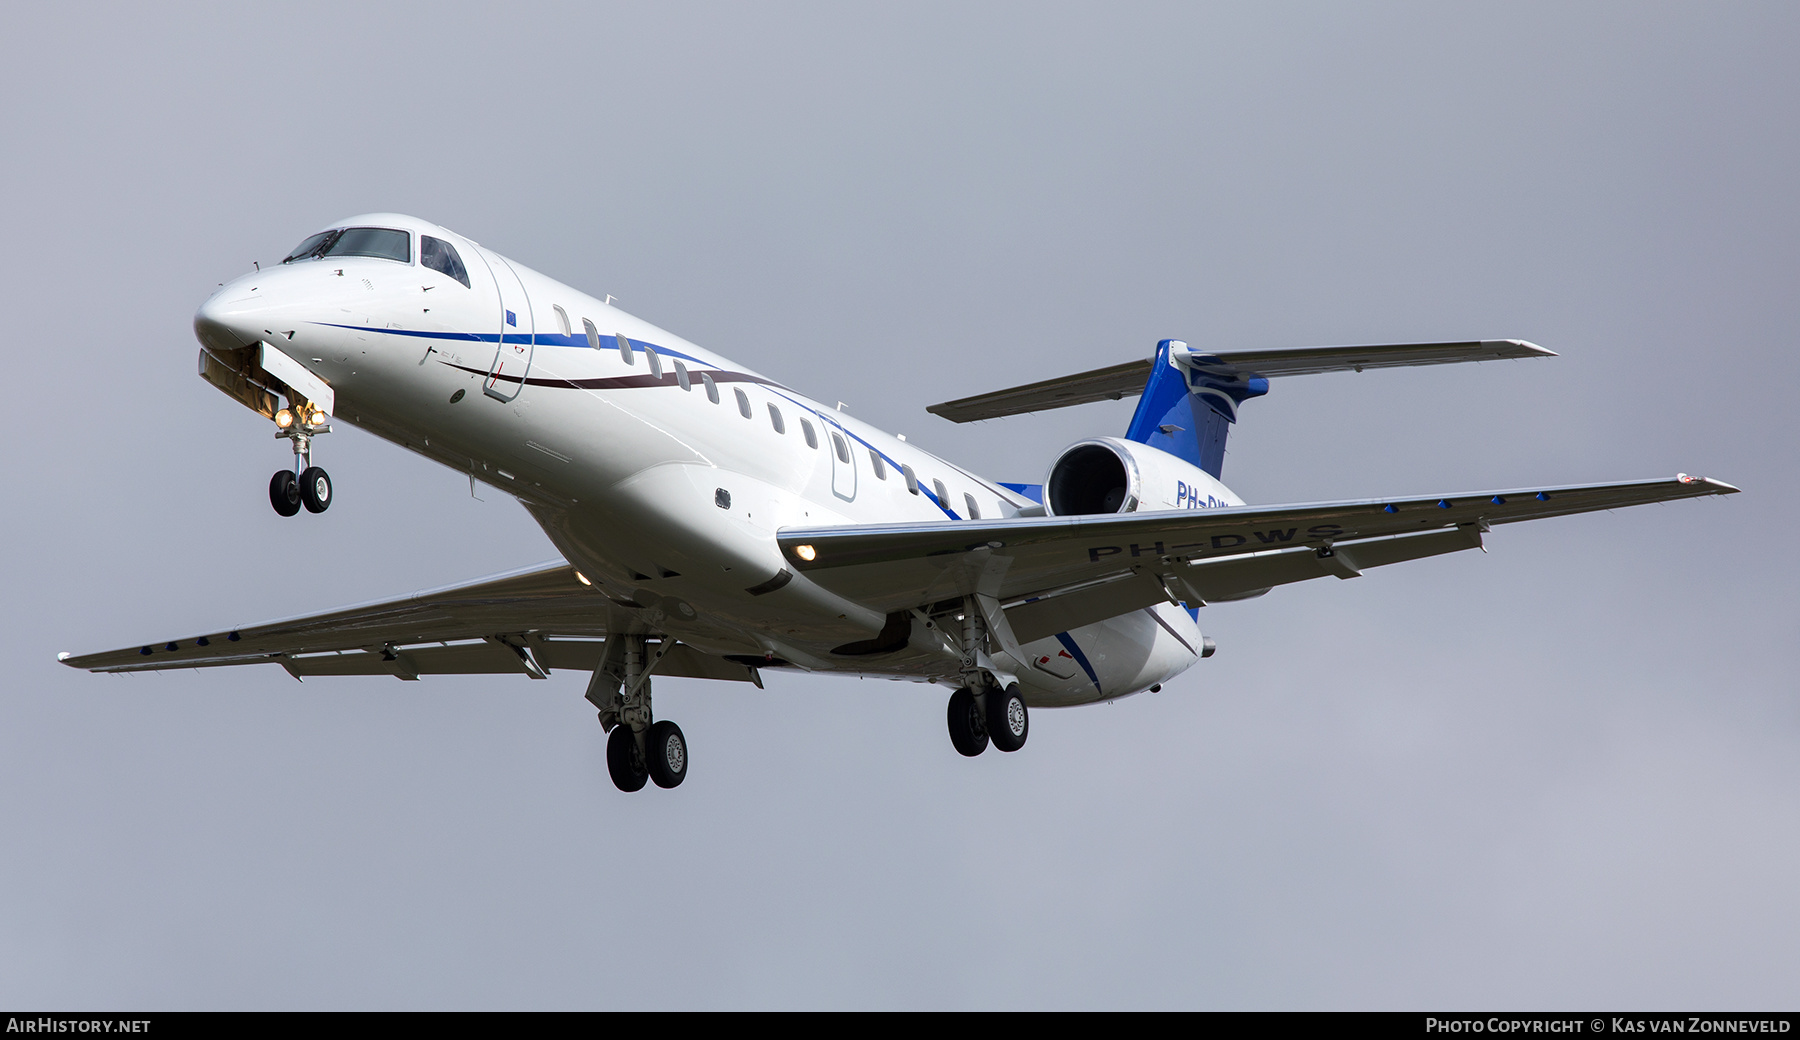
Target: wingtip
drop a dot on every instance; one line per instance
(1719, 487)
(1527, 348)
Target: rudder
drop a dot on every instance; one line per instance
(1189, 403)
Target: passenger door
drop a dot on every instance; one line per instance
(843, 461)
(518, 332)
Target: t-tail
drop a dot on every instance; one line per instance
(1190, 402)
(1190, 399)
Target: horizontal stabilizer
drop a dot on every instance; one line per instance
(1128, 379)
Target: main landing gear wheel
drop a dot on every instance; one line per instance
(284, 493)
(1007, 721)
(315, 490)
(968, 729)
(667, 754)
(625, 761)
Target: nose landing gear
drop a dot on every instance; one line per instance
(312, 487)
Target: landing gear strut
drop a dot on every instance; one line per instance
(306, 485)
(638, 748)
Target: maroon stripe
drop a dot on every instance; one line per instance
(617, 382)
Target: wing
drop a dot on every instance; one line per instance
(1101, 566)
(525, 621)
(1127, 380)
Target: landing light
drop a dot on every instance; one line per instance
(316, 417)
(806, 552)
(284, 418)
(580, 577)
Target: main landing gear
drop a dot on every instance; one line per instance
(659, 754)
(988, 709)
(312, 487)
(994, 716)
(638, 749)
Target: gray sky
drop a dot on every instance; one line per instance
(1561, 774)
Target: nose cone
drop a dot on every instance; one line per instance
(240, 313)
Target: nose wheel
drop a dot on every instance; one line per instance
(312, 487)
(284, 492)
(315, 490)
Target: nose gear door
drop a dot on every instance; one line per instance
(518, 332)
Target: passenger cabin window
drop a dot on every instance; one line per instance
(943, 496)
(880, 466)
(625, 349)
(562, 318)
(593, 334)
(441, 257)
(842, 449)
(712, 388)
(776, 420)
(912, 479)
(743, 402)
(681, 375)
(806, 430)
(655, 360)
(974, 510)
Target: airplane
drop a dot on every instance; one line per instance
(715, 523)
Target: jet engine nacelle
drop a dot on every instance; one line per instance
(1110, 475)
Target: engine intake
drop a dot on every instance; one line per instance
(1090, 478)
(1109, 475)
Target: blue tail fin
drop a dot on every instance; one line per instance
(1189, 404)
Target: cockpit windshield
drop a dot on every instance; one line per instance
(384, 243)
(311, 247)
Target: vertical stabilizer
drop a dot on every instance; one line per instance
(1189, 404)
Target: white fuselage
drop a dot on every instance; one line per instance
(666, 497)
